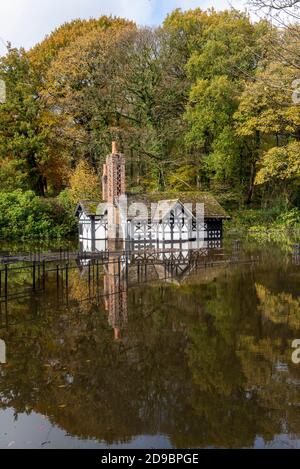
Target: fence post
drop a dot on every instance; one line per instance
(33, 275)
(127, 267)
(138, 272)
(39, 274)
(67, 276)
(57, 277)
(5, 284)
(62, 278)
(44, 275)
(89, 279)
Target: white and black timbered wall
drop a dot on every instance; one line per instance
(176, 228)
(92, 232)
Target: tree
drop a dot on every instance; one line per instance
(274, 7)
(284, 15)
(25, 128)
(209, 118)
(218, 65)
(84, 183)
(280, 169)
(81, 95)
(270, 121)
(21, 137)
(123, 83)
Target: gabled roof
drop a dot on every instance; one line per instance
(89, 207)
(212, 208)
(164, 207)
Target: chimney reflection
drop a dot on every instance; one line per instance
(2, 352)
(115, 296)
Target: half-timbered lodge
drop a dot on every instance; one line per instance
(154, 220)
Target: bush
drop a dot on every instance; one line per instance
(275, 224)
(25, 215)
(243, 220)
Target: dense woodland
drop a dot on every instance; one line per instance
(206, 102)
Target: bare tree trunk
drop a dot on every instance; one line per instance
(255, 157)
(251, 184)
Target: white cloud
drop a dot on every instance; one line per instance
(26, 22)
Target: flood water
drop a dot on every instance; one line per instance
(197, 357)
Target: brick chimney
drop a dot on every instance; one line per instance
(113, 179)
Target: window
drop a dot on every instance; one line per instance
(172, 218)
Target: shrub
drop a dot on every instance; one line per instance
(25, 215)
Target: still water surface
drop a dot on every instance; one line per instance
(199, 359)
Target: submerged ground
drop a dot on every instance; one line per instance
(202, 359)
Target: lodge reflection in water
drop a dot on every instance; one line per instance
(124, 265)
(205, 356)
(137, 266)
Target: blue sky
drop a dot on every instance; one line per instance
(26, 22)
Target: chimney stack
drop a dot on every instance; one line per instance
(114, 150)
(113, 180)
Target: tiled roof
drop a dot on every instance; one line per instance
(212, 208)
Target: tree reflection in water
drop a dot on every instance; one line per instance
(205, 361)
